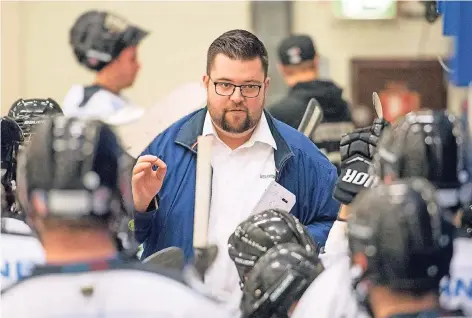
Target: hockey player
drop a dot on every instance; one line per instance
(28, 113)
(425, 144)
(108, 45)
(20, 248)
(429, 144)
(401, 246)
(299, 65)
(357, 150)
(74, 189)
(456, 289)
(278, 280)
(259, 233)
(12, 137)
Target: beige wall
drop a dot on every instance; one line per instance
(39, 61)
(173, 53)
(342, 40)
(11, 71)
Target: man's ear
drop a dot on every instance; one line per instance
(316, 61)
(205, 80)
(38, 204)
(266, 85)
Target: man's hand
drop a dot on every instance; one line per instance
(146, 181)
(357, 149)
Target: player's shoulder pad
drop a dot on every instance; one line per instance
(42, 271)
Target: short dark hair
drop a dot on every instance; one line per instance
(238, 44)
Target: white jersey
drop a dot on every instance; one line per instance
(183, 100)
(118, 292)
(330, 295)
(99, 103)
(20, 251)
(337, 246)
(456, 291)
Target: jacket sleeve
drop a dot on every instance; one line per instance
(326, 208)
(143, 224)
(143, 220)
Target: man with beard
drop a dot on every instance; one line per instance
(250, 150)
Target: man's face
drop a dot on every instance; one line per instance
(240, 111)
(129, 65)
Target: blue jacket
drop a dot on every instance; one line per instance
(300, 167)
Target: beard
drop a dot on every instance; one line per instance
(232, 122)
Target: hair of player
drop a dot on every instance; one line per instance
(238, 45)
(78, 225)
(302, 67)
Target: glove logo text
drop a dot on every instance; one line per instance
(359, 178)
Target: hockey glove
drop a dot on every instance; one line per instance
(357, 150)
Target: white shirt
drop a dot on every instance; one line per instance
(104, 105)
(115, 293)
(20, 251)
(240, 177)
(456, 291)
(330, 295)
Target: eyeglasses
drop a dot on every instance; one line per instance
(227, 89)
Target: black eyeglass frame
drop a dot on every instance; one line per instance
(234, 88)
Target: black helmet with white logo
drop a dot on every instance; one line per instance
(98, 37)
(28, 113)
(425, 144)
(259, 233)
(404, 235)
(278, 280)
(79, 171)
(12, 137)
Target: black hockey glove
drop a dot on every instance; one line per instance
(357, 150)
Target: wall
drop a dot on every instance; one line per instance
(173, 53)
(39, 61)
(342, 40)
(11, 75)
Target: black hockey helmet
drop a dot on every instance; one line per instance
(427, 144)
(278, 280)
(78, 169)
(260, 232)
(12, 137)
(98, 37)
(28, 113)
(404, 234)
